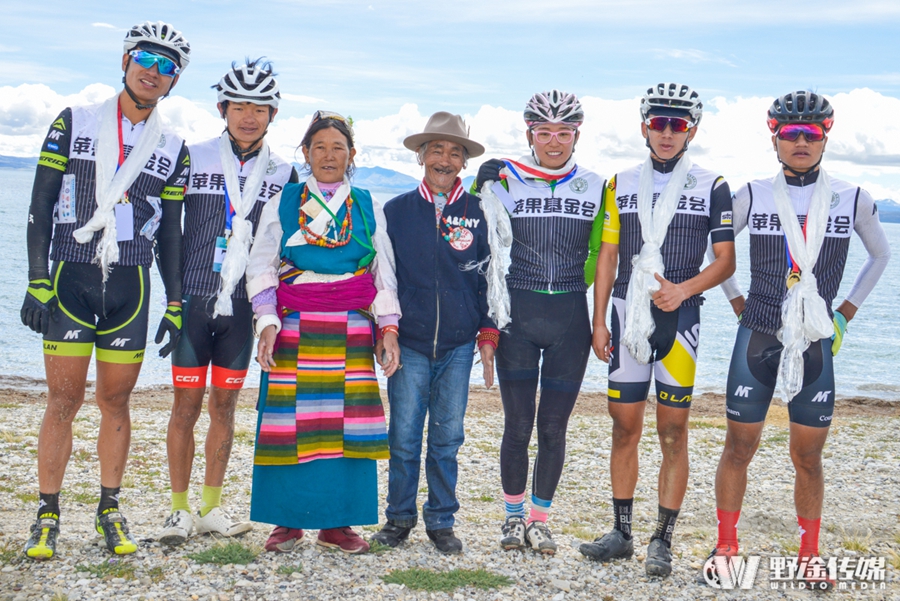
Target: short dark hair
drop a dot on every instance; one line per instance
(318, 126)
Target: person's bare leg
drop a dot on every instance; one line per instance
(115, 381)
(219, 439)
(180, 436)
(809, 484)
(66, 378)
(672, 428)
(741, 443)
(628, 425)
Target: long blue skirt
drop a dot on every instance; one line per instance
(325, 493)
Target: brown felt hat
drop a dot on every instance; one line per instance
(445, 126)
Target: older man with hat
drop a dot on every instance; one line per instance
(439, 235)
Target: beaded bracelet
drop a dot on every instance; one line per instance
(487, 336)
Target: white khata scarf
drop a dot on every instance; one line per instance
(238, 254)
(804, 316)
(111, 183)
(639, 324)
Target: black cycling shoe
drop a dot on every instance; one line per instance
(42, 542)
(612, 545)
(445, 541)
(391, 534)
(659, 559)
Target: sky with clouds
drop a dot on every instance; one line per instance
(391, 64)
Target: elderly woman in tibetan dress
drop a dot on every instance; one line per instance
(320, 267)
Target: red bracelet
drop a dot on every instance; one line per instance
(488, 336)
(387, 329)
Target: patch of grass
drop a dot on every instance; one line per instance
(377, 548)
(791, 548)
(244, 436)
(872, 455)
(233, 552)
(8, 405)
(432, 581)
(582, 531)
(423, 489)
(372, 528)
(108, 569)
(59, 596)
(156, 574)
(288, 570)
(859, 544)
(82, 455)
(486, 498)
(10, 555)
(779, 437)
(27, 497)
(893, 558)
(10, 436)
(85, 498)
(705, 425)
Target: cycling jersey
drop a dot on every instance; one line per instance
(852, 208)
(704, 211)
(205, 217)
(110, 315)
(63, 198)
(552, 220)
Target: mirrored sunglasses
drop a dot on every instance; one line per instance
(165, 65)
(679, 125)
(813, 132)
(542, 136)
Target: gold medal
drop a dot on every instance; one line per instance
(792, 278)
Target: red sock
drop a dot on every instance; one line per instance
(728, 522)
(809, 536)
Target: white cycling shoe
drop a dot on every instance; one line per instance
(177, 529)
(219, 522)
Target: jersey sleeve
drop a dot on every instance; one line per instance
(868, 227)
(590, 266)
(169, 243)
(740, 207)
(611, 214)
(48, 180)
(721, 215)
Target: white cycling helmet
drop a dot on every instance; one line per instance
(253, 82)
(676, 96)
(159, 36)
(554, 107)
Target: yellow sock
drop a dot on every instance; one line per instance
(210, 498)
(180, 501)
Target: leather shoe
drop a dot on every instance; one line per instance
(391, 534)
(445, 541)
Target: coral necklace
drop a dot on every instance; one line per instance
(343, 236)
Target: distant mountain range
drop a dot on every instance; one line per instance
(388, 180)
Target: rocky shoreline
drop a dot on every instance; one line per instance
(861, 517)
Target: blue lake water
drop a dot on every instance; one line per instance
(866, 366)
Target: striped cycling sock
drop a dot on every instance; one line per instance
(539, 509)
(515, 505)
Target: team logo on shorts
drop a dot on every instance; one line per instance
(835, 199)
(691, 182)
(162, 141)
(578, 185)
(271, 168)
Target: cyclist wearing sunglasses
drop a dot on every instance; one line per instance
(554, 207)
(799, 223)
(659, 216)
(233, 177)
(108, 187)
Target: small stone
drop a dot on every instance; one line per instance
(563, 585)
(559, 597)
(296, 575)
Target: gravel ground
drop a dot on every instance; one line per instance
(861, 518)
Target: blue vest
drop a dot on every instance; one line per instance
(320, 259)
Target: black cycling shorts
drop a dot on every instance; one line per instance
(673, 362)
(111, 316)
(753, 374)
(225, 341)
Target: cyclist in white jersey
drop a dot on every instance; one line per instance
(659, 216)
(232, 178)
(799, 223)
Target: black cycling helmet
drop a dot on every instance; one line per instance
(800, 107)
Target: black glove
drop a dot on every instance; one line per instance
(171, 323)
(40, 303)
(489, 171)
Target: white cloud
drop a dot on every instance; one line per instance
(693, 56)
(107, 26)
(863, 146)
(301, 98)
